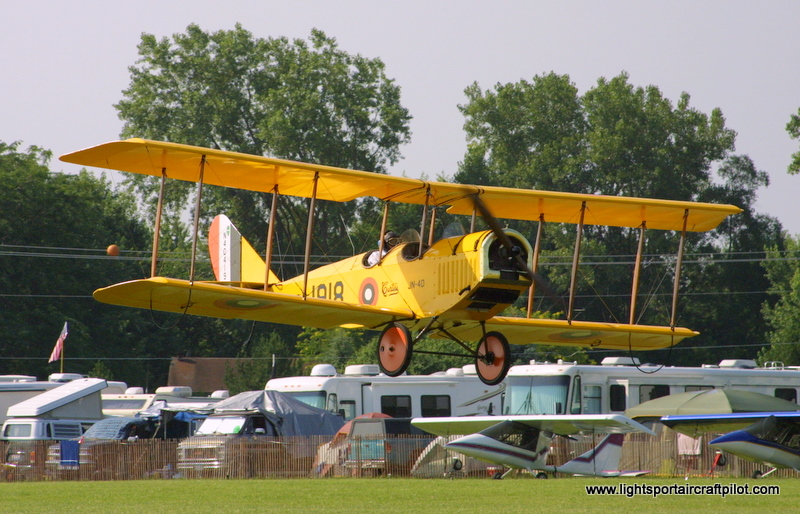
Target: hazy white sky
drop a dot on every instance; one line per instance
(63, 64)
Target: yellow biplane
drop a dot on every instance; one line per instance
(453, 288)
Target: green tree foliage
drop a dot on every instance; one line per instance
(793, 128)
(54, 229)
(618, 139)
(783, 269)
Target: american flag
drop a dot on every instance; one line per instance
(59, 347)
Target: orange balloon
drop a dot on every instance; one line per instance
(112, 250)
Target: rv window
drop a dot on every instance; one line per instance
(333, 400)
(347, 408)
(617, 397)
(575, 407)
(18, 430)
(438, 405)
(396, 406)
(689, 389)
(537, 395)
(592, 397)
(651, 392)
(786, 393)
(313, 398)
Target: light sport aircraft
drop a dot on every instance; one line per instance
(454, 288)
(771, 438)
(523, 442)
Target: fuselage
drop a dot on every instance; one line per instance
(461, 278)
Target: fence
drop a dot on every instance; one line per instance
(296, 457)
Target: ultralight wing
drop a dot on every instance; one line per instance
(220, 300)
(560, 424)
(255, 173)
(577, 333)
(696, 424)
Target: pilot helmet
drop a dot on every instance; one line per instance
(391, 239)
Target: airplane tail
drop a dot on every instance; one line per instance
(602, 460)
(232, 256)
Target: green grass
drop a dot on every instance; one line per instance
(383, 495)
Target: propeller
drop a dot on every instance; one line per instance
(514, 251)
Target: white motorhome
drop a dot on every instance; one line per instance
(362, 389)
(620, 383)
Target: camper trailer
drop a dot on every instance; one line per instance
(363, 389)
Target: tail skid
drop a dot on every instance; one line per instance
(602, 460)
(232, 256)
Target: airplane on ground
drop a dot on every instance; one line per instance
(453, 288)
(523, 442)
(771, 438)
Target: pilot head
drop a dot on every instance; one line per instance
(390, 240)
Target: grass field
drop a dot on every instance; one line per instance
(381, 495)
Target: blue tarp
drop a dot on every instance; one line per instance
(290, 416)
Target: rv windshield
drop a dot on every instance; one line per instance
(313, 398)
(536, 395)
(221, 425)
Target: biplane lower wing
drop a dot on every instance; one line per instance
(590, 334)
(219, 300)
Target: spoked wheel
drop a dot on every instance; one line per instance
(394, 349)
(493, 359)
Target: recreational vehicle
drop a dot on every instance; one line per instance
(135, 400)
(18, 388)
(620, 383)
(363, 389)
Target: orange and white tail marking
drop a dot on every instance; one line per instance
(232, 256)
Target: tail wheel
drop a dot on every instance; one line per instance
(394, 349)
(494, 358)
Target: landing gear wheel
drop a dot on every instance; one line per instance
(394, 349)
(541, 475)
(494, 358)
(757, 474)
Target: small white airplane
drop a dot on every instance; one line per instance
(771, 438)
(523, 442)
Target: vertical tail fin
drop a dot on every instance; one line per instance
(602, 460)
(232, 257)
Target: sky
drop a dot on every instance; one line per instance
(64, 64)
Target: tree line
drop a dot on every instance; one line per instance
(309, 100)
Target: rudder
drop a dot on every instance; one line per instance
(232, 256)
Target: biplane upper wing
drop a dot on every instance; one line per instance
(591, 334)
(255, 173)
(560, 424)
(222, 300)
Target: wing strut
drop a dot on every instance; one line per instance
(384, 221)
(575, 258)
(636, 272)
(197, 216)
(311, 208)
(678, 265)
(535, 265)
(424, 219)
(273, 212)
(157, 229)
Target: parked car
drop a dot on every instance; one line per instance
(387, 446)
(100, 453)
